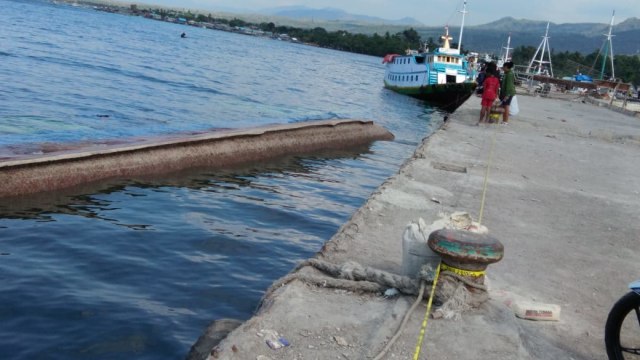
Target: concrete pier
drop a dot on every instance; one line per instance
(61, 170)
(562, 195)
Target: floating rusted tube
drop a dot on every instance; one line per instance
(213, 150)
(466, 253)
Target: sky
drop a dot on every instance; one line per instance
(440, 12)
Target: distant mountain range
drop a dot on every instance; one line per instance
(492, 37)
(581, 37)
(332, 14)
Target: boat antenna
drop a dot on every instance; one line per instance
(544, 45)
(608, 50)
(464, 12)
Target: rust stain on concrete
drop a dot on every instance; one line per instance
(216, 150)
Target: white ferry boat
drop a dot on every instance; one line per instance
(443, 77)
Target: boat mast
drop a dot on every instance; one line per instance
(506, 54)
(608, 51)
(464, 12)
(545, 46)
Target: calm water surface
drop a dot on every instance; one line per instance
(135, 269)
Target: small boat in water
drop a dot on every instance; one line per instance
(443, 77)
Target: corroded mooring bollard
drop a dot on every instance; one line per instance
(466, 253)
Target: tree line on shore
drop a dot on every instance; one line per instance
(627, 68)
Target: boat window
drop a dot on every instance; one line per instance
(419, 59)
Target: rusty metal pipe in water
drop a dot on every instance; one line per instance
(213, 150)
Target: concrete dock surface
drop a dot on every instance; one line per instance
(562, 195)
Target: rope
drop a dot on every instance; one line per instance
(464, 280)
(423, 328)
(404, 320)
(350, 276)
(362, 286)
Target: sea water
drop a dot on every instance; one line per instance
(136, 268)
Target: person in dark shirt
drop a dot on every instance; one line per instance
(480, 79)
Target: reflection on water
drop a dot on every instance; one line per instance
(85, 200)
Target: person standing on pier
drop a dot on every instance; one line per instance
(507, 90)
(490, 92)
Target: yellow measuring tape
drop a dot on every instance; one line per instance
(446, 267)
(462, 272)
(426, 315)
(486, 175)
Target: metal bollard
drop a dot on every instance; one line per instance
(466, 253)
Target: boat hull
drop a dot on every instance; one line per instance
(445, 96)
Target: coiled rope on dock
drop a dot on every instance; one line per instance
(354, 277)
